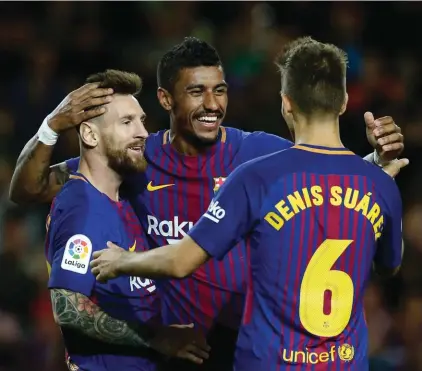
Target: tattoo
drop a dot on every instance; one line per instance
(33, 179)
(76, 311)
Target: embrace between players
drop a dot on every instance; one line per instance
(264, 272)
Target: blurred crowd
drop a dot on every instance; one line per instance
(47, 50)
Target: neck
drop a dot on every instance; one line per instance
(185, 144)
(318, 130)
(95, 168)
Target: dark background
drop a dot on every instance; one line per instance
(47, 50)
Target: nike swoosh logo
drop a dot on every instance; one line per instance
(133, 247)
(152, 188)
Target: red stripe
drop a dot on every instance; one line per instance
(247, 316)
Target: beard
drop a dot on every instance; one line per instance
(122, 163)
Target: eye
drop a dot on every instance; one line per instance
(221, 91)
(195, 93)
(127, 122)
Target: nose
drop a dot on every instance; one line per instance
(210, 101)
(141, 131)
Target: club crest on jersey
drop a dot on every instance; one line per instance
(77, 254)
(218, 182)
(346, 352)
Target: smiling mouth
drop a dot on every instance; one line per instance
(137, 149)
(208, 120)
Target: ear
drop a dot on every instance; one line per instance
(287, 104)
(344, 106)
(88, 133)
(165, 98)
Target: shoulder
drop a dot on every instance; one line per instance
(259, 142)
(155, 140)
(79, 202)
(266, 169)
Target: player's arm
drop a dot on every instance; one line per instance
(33, 179)
(390, 249)
(72, 284)
(76, 311)
(229, 218)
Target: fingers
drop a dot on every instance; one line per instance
(112, 245)
(93, 104)
(193, 354)
(369, 120)
(396, 147)
(100, 278)
(394, 167)
(90, 90)
(84, 89)
(386, 129)
(391, 138)
(86, 115)
(96, 255)
(197, 351)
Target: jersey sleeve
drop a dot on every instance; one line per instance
(77, 236)
(73, 164)
(390, 246)
(231, 215)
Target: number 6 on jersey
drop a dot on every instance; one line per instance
(319, 278)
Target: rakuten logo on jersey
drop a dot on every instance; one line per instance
(215, 212)
(138, 283)
(173, 230)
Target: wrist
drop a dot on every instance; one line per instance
(52, 124)
(46, 134)
(120, 266)
(379, 161)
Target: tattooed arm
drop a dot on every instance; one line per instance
(76, 311)
(33, 179)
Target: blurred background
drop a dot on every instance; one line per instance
(48, 49)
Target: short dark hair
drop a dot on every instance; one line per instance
(314, 75)
(121, 82)
(192, 52)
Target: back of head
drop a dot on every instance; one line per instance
(191, 53)
(314, 75)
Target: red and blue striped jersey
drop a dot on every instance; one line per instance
(81, 221)
(170, 197)
(315, 219)
(216, 292)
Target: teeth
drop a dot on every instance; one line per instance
(208, 118)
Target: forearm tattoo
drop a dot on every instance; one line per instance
(76, 311)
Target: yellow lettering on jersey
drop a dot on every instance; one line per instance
(305, 198)
(296, 202)
(300, 356)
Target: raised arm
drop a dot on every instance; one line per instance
(34, 180)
